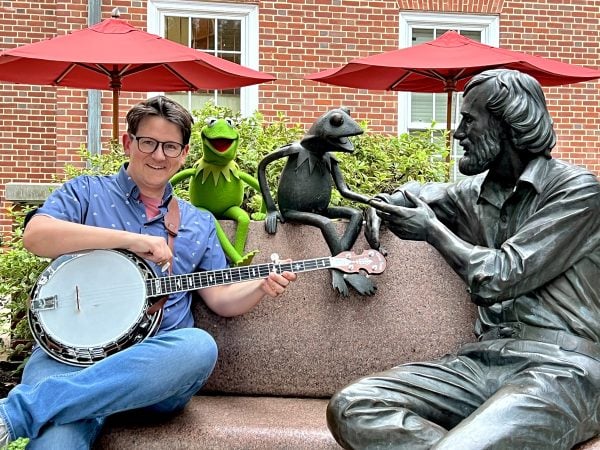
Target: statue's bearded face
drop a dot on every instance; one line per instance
(481, 150)
(479, 133)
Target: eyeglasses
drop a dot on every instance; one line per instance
(149, 145)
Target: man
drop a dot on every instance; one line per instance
(523, 234)
(59, 406)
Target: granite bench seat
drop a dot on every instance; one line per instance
(279, 363)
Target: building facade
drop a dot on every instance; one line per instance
(42, 127)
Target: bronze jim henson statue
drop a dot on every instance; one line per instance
(523, 233)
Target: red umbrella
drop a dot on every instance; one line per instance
(446, 64)
(117, 56)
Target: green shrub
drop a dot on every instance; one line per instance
(19, 270)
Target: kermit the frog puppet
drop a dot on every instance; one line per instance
(217, 185)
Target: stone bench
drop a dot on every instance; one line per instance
(279, 363)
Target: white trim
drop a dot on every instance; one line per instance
(246, 13)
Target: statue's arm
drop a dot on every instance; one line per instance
(268, 203)
(262, 177)
(342, 187)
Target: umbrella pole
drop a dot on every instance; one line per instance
(115, 118)
(449, 130)
(448, 123)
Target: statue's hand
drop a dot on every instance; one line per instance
(410, 223)
(271, 222)
(372, 229)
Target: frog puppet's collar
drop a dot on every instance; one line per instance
(228, 170)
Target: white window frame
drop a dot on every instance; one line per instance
(489, 26)
(246, 13)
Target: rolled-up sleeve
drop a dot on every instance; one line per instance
(68, 202)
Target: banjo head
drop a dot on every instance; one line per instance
(89, 305)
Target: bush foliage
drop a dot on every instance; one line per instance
(379, 164)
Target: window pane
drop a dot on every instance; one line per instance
(229, 99)
(219, 37)
(475, 35)
(441, 102)
(230, 33)
(180, 97)
(203, 34)
(421, 35)
(421, 108)
(198, 100)
(176, 29)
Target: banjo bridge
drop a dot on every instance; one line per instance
(44, 304)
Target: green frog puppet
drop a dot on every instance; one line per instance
(217, 185)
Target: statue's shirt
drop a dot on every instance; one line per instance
(537, 247)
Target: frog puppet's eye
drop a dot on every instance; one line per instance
(230, 121)
(210, 121)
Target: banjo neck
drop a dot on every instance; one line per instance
(370, 261)
(192, 281)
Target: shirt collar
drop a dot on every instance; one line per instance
(131, 190)
(534, 175)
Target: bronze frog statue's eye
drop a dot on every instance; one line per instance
(336, 120)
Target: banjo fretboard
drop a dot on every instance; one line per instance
(188, 282)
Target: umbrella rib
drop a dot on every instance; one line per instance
(191, 86)
(429, 74)
(399, 80)
(94, 68)
(64, 73)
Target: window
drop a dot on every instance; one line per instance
(416, 111)
(229, 31)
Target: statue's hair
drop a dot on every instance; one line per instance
(517, 100)
(163, 107)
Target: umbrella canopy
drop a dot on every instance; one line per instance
(446, 64)
(117, 56)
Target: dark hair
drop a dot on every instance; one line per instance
(163, 107)
(517, 99)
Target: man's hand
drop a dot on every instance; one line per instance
(276, 284)
(151, 248)
(412, 223)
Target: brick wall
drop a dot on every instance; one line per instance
(42, 127)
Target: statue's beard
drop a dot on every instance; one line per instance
(480, 152)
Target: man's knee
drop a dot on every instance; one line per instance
(192, 348)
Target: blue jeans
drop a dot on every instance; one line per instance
(63, 407)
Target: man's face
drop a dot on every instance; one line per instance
(479, 133)
(152, 171)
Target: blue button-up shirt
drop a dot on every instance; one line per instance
(114, 202)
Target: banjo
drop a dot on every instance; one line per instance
(88, 305)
